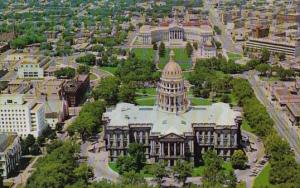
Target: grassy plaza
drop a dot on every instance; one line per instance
(148, 54)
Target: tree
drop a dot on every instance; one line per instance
(89, 59)
(58, 166)
(53, 145)
(189, 49)
(218, 44)
(162, 50)
(65, 73)
(160, 171)
(217, 30)
(225, 98)
(213, 175)
(85, 124)
(83, 69)
(125, 164)
(137, 151)
(83, 172)
(195, 45)
(265, 55)
(182, 170)
(108, 90)
(127, 93)
(239, 159)
(155, 46)
(35, 149)
(263, 68)
(30, 140)
(282, 56)
(132, 178)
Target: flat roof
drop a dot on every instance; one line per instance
(294, 108)
(6, 140)
(217, 114)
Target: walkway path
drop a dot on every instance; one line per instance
(253, 157)
(22, 178)
(99, 162)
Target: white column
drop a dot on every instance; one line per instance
(141, 137)
(175, 149)
(183, 148)
(169, 153)
(115, 140)
(222, 139)
(235, 139)
(160, 149)
(215, 138)
(135, 136)
(180, 149)
(229, 139)
(122, 144)
(198, 137)
(208, 137)
(203, 140)
(147, 137)
(127, 138)
(108, 140)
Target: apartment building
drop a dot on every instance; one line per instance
(21, 116)
(10, 153)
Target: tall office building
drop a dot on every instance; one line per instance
(21, 116)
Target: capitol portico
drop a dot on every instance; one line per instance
(172, 129)
(175, 32)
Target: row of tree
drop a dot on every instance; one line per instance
(60, 168)
(284, 169)
(89, 120)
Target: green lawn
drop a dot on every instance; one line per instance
(146, 91)
(146, 172)
(148, 54)
(200, 101)
(113, 166)
(112, 70)
(270, 79)
(262, 180)
(144, 53)
(93, 76)
(234, 56)
(198, 171)
(241, 185)
(147, 101)
(245, 126)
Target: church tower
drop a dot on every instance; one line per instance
(172, 89)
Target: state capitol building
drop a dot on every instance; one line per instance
(172, 129)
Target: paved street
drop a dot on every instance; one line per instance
(99, 162)
(280, 122)
(225, 38)
(22, 178)
(254, 157)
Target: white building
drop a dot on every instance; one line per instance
(175, 33)
(206, 50)
(10, 153)
(21, 116)
(30, 69)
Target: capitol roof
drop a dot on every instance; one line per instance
(217, 114)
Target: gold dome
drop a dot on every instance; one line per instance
(172, 70)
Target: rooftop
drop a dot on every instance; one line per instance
(218, 114)
(294, 108)
(6, 140)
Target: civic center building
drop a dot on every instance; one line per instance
(175, 32)
(172, 129)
